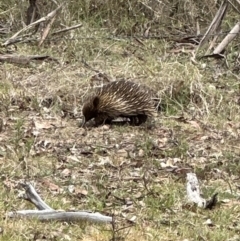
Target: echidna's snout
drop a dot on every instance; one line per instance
(83, 122)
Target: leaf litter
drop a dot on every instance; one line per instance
(116, 170)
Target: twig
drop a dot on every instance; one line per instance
(215, 24)
(46, 31)
(86, 65)
(115, 230)
(22, 59)
(67, 29)
(100, 76)
(235, 8)
(43, 19)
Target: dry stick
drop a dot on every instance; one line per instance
(235, 8)
(43, 19)
(32, 196)
(115, 230)
(14, 59)
(67, 29)
(24, 59)
(232, 34)
(99, 73)
(46, 31)
(198, 28)
(216, 22)
(23, 38)
(47, 213)
(90, 67)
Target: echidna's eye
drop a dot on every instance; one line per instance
(96, 102)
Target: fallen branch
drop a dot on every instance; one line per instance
(67, 29)
(214, 26)
(55, 215)
(46, 31)
(21, 59)
(43, 19)
(32, 196)
(193, 193)
(232, 34)
(46, 213)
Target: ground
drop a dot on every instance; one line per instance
(137, 174)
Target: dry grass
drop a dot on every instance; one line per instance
(119, 169)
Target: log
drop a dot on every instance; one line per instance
(58, 215)
(193, 193)
(46, 213)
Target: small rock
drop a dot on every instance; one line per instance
(209, 222)
(71, 188)
(141, 153)
(105, 127)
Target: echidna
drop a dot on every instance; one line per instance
(120, 98)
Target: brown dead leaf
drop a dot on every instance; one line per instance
(194, 124)
(182, 170)
(162, 142)
(141, 153)
(169, 163)
(204, 138)
(73, 158)
(66, 172)
(122, 153)
(230, 203)
(43, 125)
(10, 184)
(51, 186)
(80, 191)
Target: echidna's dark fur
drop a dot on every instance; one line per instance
(119, 99)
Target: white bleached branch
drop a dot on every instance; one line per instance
(46, 213)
